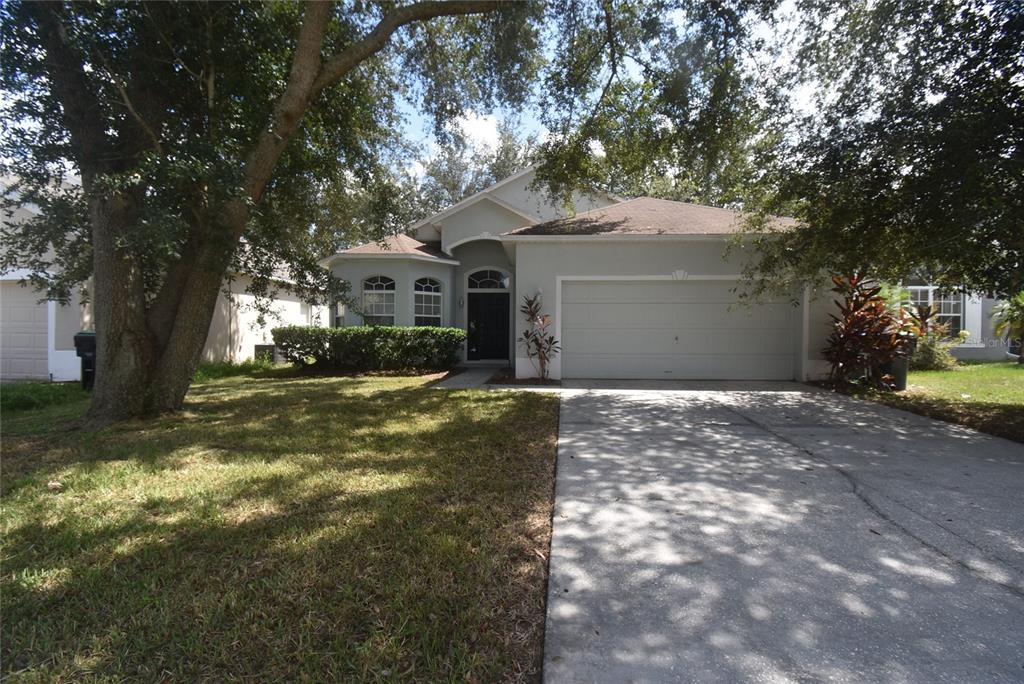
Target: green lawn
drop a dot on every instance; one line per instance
(986, 396)
(281, 529)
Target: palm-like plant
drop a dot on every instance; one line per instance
(1008, 316)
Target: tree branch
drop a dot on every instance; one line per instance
(153, 137)
(292, 104)
(83, 113)
(337, 66)
(307, 77)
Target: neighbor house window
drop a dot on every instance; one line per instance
(339, 314)
(379, 301)
(487, 280)
(427, 302)
(949, 306)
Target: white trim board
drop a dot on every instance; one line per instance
(474, 238)
(61, 364)
(617, 237)
(473, 199)
(328, 262)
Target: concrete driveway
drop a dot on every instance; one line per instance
(706, 532)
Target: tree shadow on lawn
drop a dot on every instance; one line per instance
(999, 419)
(290, 529)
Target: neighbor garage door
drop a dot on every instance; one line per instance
(667, 329)
(22, 333)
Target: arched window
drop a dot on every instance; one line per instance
(427, 302)
(379, 301)
(488, 279)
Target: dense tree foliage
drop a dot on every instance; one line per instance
(911, 158)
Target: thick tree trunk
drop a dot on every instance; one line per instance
(179, 357)
(124, 347)
(145, 362)
(146, 359)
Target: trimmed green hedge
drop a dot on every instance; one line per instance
(370, 347)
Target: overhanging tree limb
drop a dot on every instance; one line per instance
(337, 66)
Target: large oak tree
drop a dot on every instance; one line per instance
(215, 137)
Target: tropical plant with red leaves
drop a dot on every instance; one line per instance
(866, 335)
(541, 346)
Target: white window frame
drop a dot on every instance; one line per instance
(338, 311)
(970, 310)
(378, 300)
(504, 281)
(432, 298)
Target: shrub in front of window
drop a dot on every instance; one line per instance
(371, 347)
(933, 347)
(302, 345)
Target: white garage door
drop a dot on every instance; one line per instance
(673, 330)
(22, 333)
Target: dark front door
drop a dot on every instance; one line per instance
(488, 326)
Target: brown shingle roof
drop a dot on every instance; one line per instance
(646, 216)
(398, 244)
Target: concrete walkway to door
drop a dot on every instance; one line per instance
(770, 532)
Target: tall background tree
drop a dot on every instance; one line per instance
(459, 168)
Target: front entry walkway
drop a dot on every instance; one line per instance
(780, 535)
(472, 377)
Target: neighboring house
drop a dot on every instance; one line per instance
(637, 289)
(963, 312)
(37, 338)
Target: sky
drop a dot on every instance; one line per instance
(479, 128)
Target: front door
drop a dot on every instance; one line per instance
(487, 334)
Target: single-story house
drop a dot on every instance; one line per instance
(637, 289)
(37, 338)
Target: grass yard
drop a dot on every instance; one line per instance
(985, 396)
(281, 529)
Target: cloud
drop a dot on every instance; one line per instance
(480, 129)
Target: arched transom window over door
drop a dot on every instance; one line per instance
(379, 301)
(488, 279)
(427, 302)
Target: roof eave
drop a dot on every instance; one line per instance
(524, 237)
(342, 256)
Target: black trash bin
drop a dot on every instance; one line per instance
(898, 368)
(85, 348)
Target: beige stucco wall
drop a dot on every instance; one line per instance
(538, 204)
(404, 272)
(483, 218)
(990, 347)
(70, 319)
(235, 331)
